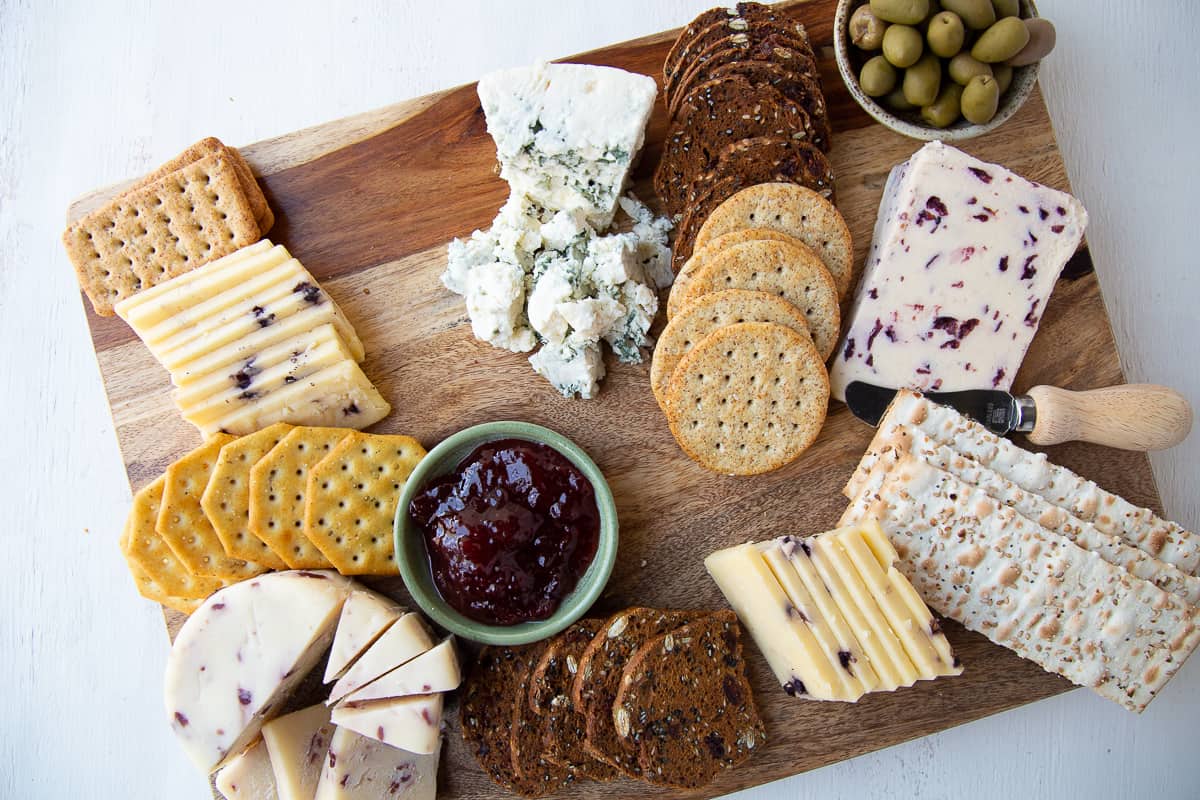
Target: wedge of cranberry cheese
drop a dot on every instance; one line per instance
(963, 260)
(832, 615)
(365, 617)
(361, 768)
(238, 657)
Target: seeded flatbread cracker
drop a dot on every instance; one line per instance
(226, 499)
(707, 313)
(795, 210)
(350, 501)
(701, 257)
(183, 524)
(534, 776)
(789, 271)
(181, 221)
(278, 483)
(749, 398)
(143, 546)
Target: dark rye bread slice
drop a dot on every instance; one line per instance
(736, 17)
(533, 775)
(714, 115)
(489, 702)
(563, 725)
(767, 159)
(687, 704)
(599, 677)
(805, 89)
(707, 198)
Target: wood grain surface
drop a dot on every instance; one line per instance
(368, 204)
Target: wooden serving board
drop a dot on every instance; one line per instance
(368, 204)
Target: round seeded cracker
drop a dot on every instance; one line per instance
(749, 398)
(795, 210)
(707, 313)
(789, 271)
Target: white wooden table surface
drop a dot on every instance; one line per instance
(93, 92)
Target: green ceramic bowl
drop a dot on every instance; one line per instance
(414, 561)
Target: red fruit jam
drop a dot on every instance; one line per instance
(509, 532)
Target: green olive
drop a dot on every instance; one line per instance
(946, 109)
(878, 77)
(1004, 76)
(1002, 41)
(904, 12)
(976, 14)
(1007, 8)
(980, 99)
(866, 29)
(963, 68)
(1041, 42)
(896, 102)
(945, 35)
(923, 80)
(902, 45)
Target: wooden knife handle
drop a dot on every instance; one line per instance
(1136, 416)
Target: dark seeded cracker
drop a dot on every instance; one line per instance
(533, 775)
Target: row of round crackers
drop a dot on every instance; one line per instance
(754, 314)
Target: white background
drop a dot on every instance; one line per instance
(94, 92)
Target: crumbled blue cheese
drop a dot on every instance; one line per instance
(574, 367)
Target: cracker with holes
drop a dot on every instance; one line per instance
(749, 398)
(148, 554)
(148, 587)
(786, 270)
(226, 499)
(278, 483)
(795, 210)
(181, 221)
(183, 524)
(708, 313)
(351, 501)
(702, 256)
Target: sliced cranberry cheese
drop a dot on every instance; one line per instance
(365, 617)
(434, 670)
(963, 260)
(409, 723)
(248, 776)
(361, 768)
(298, 744)
(406, 639)
(238, 657)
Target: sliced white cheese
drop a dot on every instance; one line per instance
(406, 639)
(365, 617)
(409, 723)
(248, 776)
(237, 658)
(298, 744)
(360, 768)
(434, 670)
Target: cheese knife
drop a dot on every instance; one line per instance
(1136, 416)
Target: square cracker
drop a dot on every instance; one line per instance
(179, 222)
(351, 501)
(208, 146)
(146, 550)
(183, 524)
(226, 499)
(277, 490)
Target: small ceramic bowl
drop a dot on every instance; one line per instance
(850, 60)
(413, 559)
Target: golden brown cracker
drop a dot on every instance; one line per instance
(184, 219)
(278, 483)
(183, 524)
(226, 499)
(702, 255)
(749, 398)
(144, 547)
(794, 210)
(789, 271)
(151, 589)
(254, 193)
(703, 316)
(351, 501)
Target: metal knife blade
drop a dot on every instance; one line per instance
(999, 412)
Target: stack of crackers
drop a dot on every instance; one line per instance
(746, 107)
(199, 206)
(282, 498)
(754, 314)
(647, 693)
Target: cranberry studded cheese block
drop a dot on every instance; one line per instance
(833, 616)
(359, 768)
(237, 658)
(964, 257)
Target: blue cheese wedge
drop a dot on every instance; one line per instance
(963, 260)
(566, 134)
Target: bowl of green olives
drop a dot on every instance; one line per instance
(940, 69)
